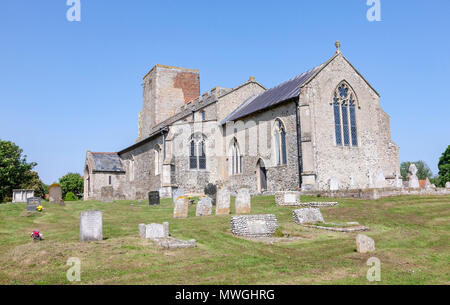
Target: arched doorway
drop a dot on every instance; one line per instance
(261, 173)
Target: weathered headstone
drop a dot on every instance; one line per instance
(380, 180)
(91, 225)
(177, 193)
(413, 181)
(107, 193)
(287, 198)
(211, 192)
(223, 201)
(428, 184)
(153, 198)
(243, 201)
(204, 207)
(154, 230)
(180, 209)
(166, 229)
(55, 194)
(447, 185)
(33, 203)
(334, 185)
(254, 225)
(142, 230)
(364, 244)
(307, 215)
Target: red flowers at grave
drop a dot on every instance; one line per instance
(36, 235)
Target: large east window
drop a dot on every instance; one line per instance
(344, 110)
(197, 154)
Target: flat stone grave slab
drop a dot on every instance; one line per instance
(91, 225)
(33, 203)
(174, 243)
(346, 227)
(254, 225)
(307, 216)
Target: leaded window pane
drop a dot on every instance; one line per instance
(353, 122)
(193, 157)
(202, 156)
(345, 128)
(283, 146)
(337, 121)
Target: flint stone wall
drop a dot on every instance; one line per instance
(254, 225)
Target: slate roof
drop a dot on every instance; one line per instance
(273, 96)
(107, 162)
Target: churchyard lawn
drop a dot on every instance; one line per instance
(411, 236)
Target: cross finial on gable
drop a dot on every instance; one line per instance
(338, 46)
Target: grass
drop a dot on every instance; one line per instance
(411, 235)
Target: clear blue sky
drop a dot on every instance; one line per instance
(66, 87)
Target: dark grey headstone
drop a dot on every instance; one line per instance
(33, 203)
(153, 198)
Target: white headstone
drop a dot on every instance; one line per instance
(364, 244)
(204, 207)
(334, 184)
(91, 226)
(413, 181)
(154, 230)
(223, 201)
(242, 201)
(177, 193)
(380, 180)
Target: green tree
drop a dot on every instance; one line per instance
(72, 182)
(423, 171)
(36, 184)
(15, 171)
(444, 167)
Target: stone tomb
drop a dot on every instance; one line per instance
(254, 225)
(204, 207)
(180, 209)
(177, 193)
(33, 203)
(243, 201)
(22, 195)
(91, 225)
(55, 194)
(287, 198)
(223, 201)
(153, 198)
(107, 193)
(307, 215)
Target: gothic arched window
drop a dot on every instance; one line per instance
(197, 153)
(280, 143)
(236, 158)
(344, 102)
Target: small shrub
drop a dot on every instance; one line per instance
(70, 197)
(278, 232)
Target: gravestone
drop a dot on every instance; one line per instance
(154, 230)
(153, 198)
(91, 226)
(177, 193)
(254, 225)
(307, 215)
(211, 192)
(413, 181)
(223, 202)
(287, 198)
(22, 195)
(55, 194)
(166, 229)
(180, 209)
(204, 207)
(364, 244)
(33, 203)
(243, 201)
(380, 181)
(447, 185)
(334, 185)
(428, 184)
(107, 194)
(142, 230)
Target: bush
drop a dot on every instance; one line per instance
(70, 197)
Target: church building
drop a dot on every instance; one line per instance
(321, 130)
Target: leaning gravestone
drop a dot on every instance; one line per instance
(177, 193)
(242, 201)
(254, 225)
(204, 207)
(55, 194)
(153, 198)
(33, 203)
(413, 181)
(364, 244)
(287, 198)
(91, 225)
(180, 209)
(307, 215)
(223, 202)
(211, 192)
(107, 193)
